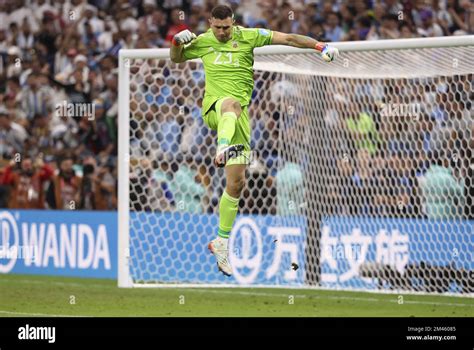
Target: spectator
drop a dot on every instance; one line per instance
(13, 88)
(41, 8)
(389, 27)
(443, 194)
(186, 189)
(290, 190)
(406, 31)
(317, 31)
(77, 91)
(25, 39)
(96, 187)
(41, 141)
(393, 7)
(452, 129)
(125, 19)
(176, 24)
(362, 130)
(13, 107)
(441, 16)
(90, 23)
(163, 177)
(64, 191)
(46, 39)
(333, 31)
(35, 97)
(361, 30)
(105, 132)
(27, 184)
(461, 17)
(12, 135)
(14, 67)
(191, 137)
(104, 39)
(428, 27)
(24, 13)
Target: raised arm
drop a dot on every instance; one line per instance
(177, 48)
(328, 53)
(176, 53)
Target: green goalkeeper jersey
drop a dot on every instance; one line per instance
(228, 66)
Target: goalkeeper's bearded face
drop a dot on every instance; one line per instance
(222, 28)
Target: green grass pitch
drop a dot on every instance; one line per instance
(25, 296)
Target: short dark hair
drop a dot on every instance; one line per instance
(222, 12)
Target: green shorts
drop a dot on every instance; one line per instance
(242, 130)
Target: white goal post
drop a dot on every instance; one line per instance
(360, 176)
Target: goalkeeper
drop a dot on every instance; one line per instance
(227, 55)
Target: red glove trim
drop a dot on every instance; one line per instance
(174, 42)
(320, 46)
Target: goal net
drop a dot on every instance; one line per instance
(360, 176)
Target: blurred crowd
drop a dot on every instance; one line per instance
(385, 148)
(64, 53)
(404, 149)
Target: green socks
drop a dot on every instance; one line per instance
(228, 208)
(226, 129)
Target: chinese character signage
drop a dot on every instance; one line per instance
(350, 246)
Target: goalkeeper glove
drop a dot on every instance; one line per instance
(328, 53)
(183, 37)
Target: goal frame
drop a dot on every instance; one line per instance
(124, 275)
